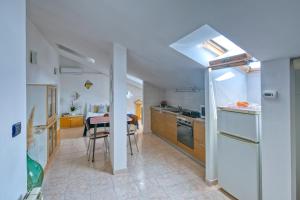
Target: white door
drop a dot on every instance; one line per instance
(238, 167)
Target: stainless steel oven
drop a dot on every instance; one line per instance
(185, 133)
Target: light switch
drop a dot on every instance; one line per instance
(16, 129)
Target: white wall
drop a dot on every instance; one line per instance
(253, 87)
(152, 97)
(276, 131)
(97, 94)
(137, 93)
(47, 60)
(188, 100)
(13, 169)
(231, 90)
(297, 119)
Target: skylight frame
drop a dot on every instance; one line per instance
(205, 44)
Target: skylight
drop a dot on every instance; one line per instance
(206, 44)
(213, 47)
(232, 48)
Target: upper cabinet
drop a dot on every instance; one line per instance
(43, 98)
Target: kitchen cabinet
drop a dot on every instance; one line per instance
(52, 138)
(71, 121)
(164, 125)
(170, 127)
(157, 126)
(154, 121)
(199, 139)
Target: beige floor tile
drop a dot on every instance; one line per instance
(157, 171)
(77, 196)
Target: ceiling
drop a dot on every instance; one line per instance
(266, 29)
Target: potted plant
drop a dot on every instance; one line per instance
(75, 96)
(73, 109)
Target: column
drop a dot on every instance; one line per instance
(118, 104)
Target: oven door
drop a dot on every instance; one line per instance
(185, 135)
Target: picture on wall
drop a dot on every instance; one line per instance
(88, 84)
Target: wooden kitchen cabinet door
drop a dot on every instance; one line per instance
(161, 124)
(65, 122)
(76, 121)
(171, 128)
(199, 132)
(199, 153)
(154, 121)
(199, 140)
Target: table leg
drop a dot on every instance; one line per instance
(130, 144)
(95, 131)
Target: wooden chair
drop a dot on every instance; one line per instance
(131, 131)
(93, 136)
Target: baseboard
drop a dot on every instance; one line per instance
(120, 171)
(211, 182)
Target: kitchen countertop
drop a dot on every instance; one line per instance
(177, 114)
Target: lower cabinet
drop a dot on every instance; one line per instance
(199, 140)
(52, 138)
(164, 125)
(71, 121)
(199, 152)
(170, 128)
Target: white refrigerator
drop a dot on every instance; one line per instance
(239, 152)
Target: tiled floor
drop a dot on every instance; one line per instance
(71, 133)
(158, 171)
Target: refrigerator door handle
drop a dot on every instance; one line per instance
(238, 138)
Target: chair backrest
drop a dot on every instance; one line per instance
(134, 119)
(99, 120)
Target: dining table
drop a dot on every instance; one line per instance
(100, 124)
